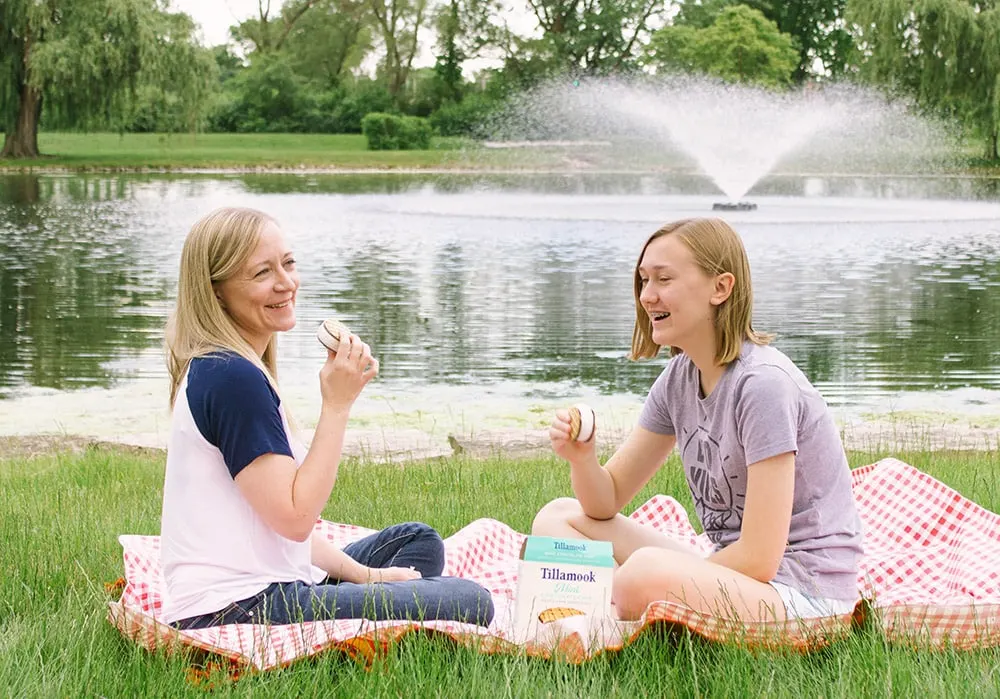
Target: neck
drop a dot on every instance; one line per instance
(702, 353)
(258, 344)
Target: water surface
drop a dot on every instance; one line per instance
(882, 289)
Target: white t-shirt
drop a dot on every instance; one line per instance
(215, 549)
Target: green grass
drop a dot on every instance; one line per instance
(229, 151)
(106, 151)
(59, 517)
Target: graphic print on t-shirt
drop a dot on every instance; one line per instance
(718, 506)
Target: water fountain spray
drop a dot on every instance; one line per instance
(733, 134)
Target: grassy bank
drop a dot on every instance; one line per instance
(60, 514)
(225, 151)
(105, 151)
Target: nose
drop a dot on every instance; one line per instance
(286, 279)
(647, 295)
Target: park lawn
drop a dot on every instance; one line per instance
(131, 151)
(134, 152)
(60, 514)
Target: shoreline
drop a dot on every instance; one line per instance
(412, 423)
(886, 435)
(437, 170)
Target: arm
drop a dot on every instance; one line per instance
(604, 491)
(339, 566)
(767, 516)
(290, 499)
(336, 563)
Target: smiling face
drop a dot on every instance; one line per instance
(260, 297)
(676, 294)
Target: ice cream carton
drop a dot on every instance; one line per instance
(561, 578)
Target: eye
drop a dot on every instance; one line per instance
(664, 280)
(643, 281)
(261, 273)
(289, 263)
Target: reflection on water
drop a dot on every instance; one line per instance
(874, 285)
(74, 295)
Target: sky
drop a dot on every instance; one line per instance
(216, 16)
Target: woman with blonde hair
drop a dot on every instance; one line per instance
(241, 494)
(760, 450)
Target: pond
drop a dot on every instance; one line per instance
(499, 291)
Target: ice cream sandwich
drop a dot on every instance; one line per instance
(582, 422)
(329, 333)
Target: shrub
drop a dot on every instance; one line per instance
(466, 118)
(391, 132)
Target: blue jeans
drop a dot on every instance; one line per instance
(429, 598)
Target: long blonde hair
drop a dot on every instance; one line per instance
(717, 249)
(216, 248)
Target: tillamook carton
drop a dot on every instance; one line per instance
(558, 578)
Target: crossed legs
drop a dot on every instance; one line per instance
(653, 567)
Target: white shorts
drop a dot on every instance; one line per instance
(802, 606)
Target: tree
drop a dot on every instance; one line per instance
(399, 23)
(448, 64)
(741, 45)
(946, 53)
(330, 41)
(180, 76)
(594, 36)
(77, 58)
(817, 26)
(264, 33)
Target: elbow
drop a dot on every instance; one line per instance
(300, 536)
(764, 568)
(761, 565)
(295, 530)
(600, 515)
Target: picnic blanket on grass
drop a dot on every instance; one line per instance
(930, 573)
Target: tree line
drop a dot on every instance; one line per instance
(323, 65)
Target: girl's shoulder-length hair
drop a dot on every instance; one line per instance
(717, 249)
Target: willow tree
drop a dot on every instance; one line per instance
(945, 53)
(79, 59)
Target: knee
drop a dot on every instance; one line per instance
(430, 543)
(424, 533)
(479, 609)
(557, 512)
(630, 588)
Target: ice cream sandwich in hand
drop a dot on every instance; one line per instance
(582, 422)
(329, 333)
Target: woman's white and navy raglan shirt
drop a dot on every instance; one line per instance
(215, 549)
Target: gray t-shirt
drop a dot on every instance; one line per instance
(764, 406)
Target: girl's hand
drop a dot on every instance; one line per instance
(346, 372)
(569, 449)
(395, 574)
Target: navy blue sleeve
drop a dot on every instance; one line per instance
(235, 409)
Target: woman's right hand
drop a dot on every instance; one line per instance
(346, 372)
(570, 449)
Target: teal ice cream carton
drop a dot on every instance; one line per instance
(561, 578)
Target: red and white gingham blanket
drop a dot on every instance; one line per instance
(931, 573)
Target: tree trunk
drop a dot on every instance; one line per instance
(22, 142)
